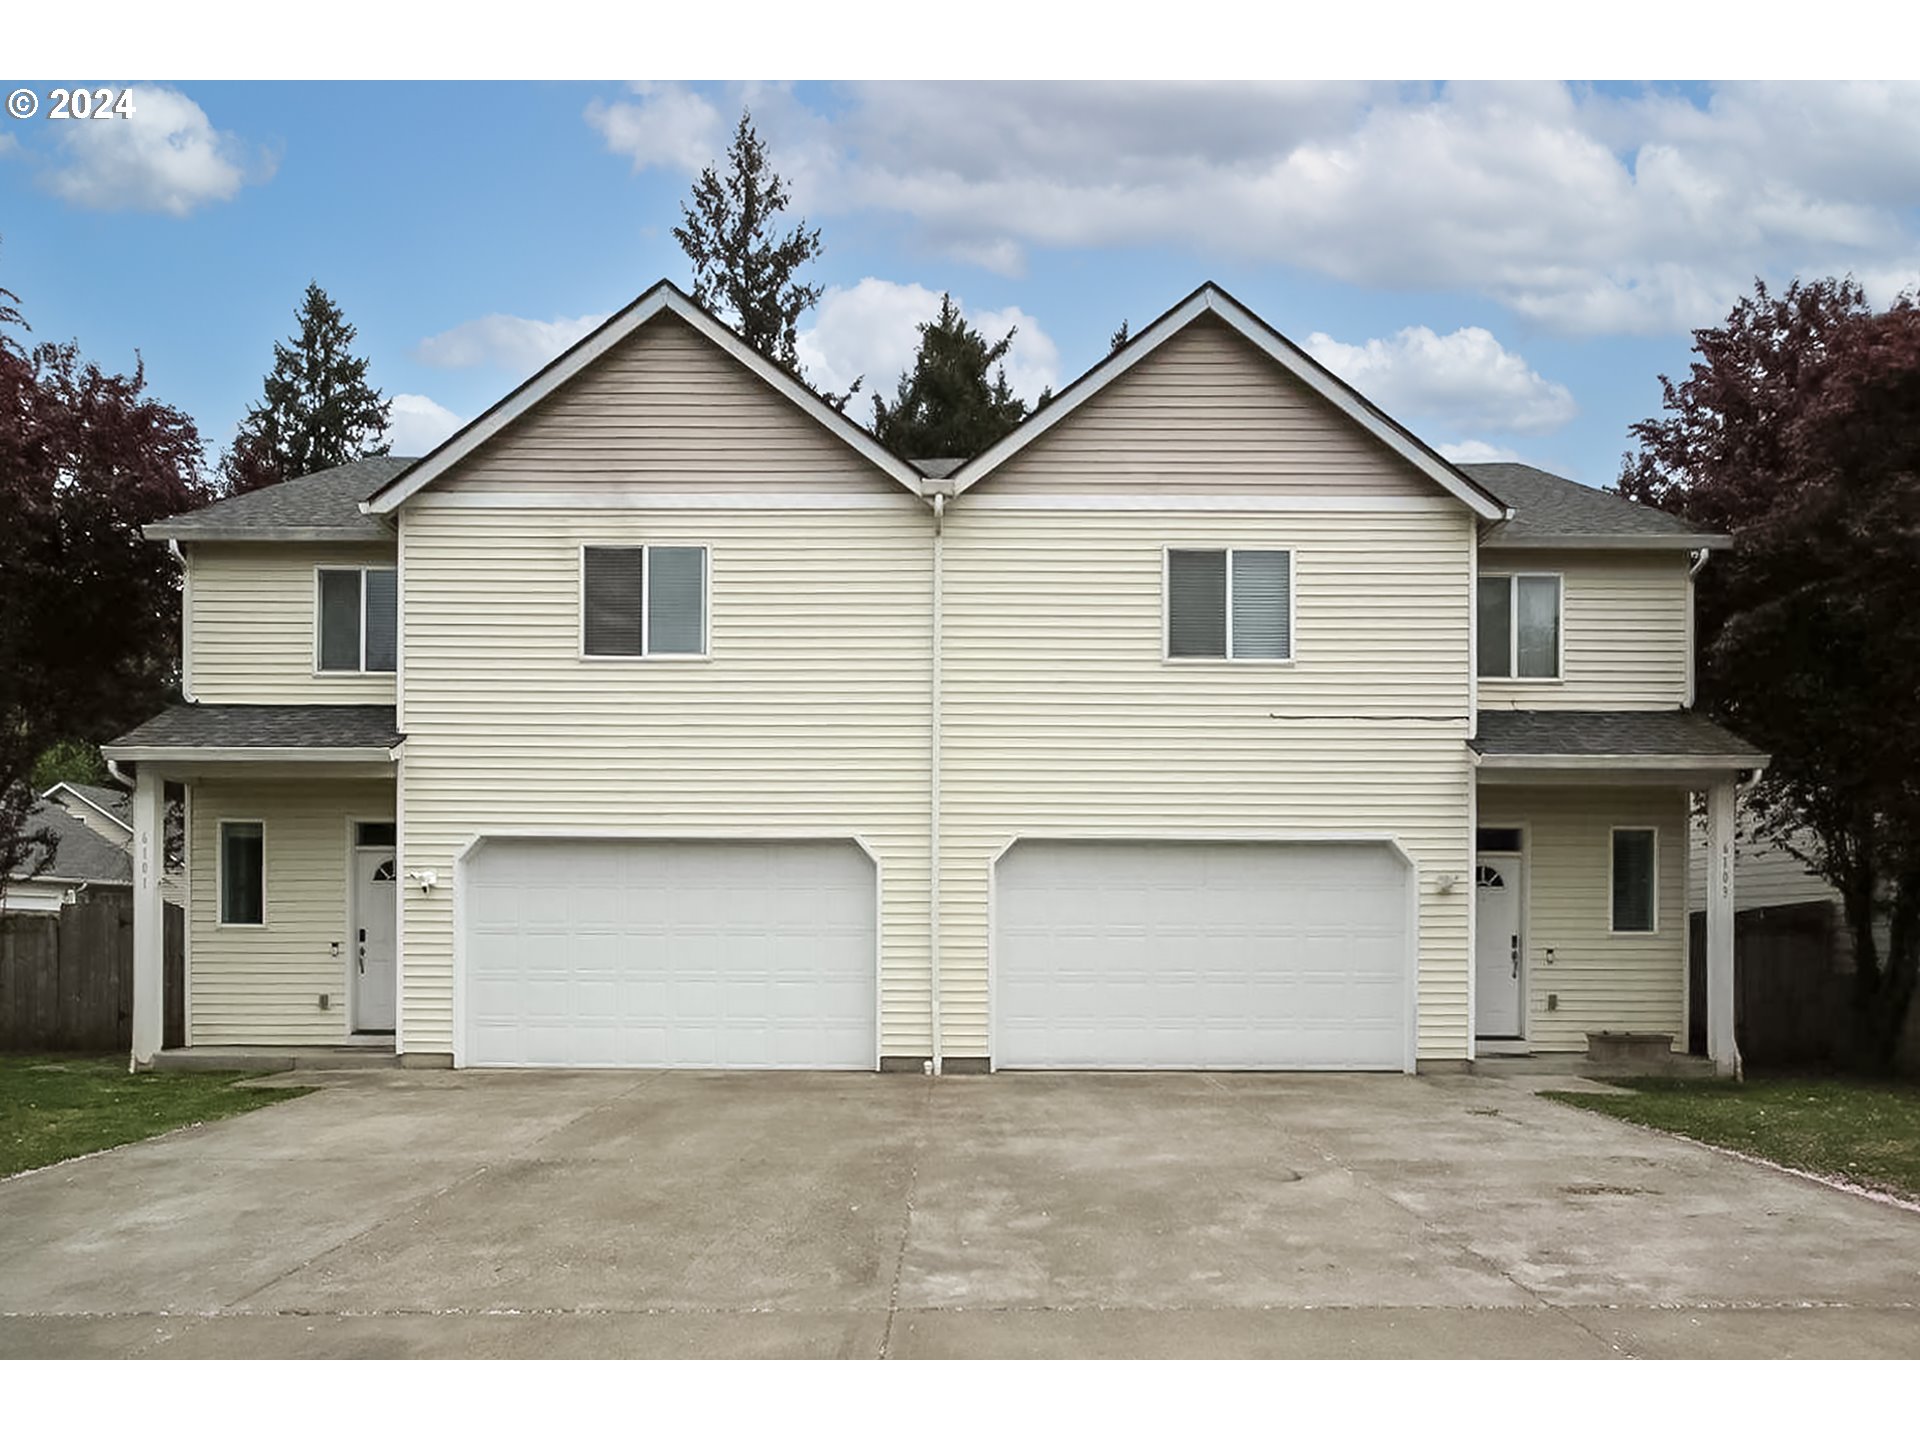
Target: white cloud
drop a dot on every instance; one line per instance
(7, 143)
(166, 156)
(1466, 380)
(418, 424)
(1475, 452)
(1587, 211)
(510, 342)
(871, 329)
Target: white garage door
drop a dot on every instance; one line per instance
(1191, 954)
(674, 953)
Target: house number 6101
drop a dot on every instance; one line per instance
(90, 104)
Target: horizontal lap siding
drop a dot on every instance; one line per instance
(1603, 981)
(1626, 631)
(666, 407)
(1060, 714)
(252, 619)
(1210, 413)
(811, 715)
(262, 985)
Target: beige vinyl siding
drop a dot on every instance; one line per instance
(261, 984)
(1603, 981)
(1061, 717)
(811, 715)
(667, 409)
(252, 618)
(1208, 413)
(1625, 622)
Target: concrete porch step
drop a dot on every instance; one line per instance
(1693, 1067)
(279, 1057)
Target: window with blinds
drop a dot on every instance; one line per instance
(1519, 627)
(1229, 604)
(1635, 881)
(644, 601)
(357, 621)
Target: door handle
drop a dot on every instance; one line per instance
(1516, 957)
(363, 959)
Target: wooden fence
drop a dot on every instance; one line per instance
(66, 980)
(1791, 987)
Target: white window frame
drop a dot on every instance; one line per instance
(220, 921)
(1513, 577)
(319, 619)
(1653, 877)
(1167, 657)
(646, 600)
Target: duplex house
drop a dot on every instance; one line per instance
(661, 716)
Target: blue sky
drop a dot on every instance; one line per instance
(1505, 267)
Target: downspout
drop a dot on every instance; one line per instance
(1699, 564)
(935, 1064)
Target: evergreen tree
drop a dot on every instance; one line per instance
(947, 405)
(318, 410)
(1118, 338)
(742, 270)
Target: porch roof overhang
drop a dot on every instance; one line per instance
(1608, 747)
(341, 740)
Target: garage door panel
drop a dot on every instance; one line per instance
(689, 953)
(1178, 954)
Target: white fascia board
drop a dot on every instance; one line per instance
(258, 754)
(323, 534)
(1622, 762)
(1608, 542)
(1209, 299)
(662, 297)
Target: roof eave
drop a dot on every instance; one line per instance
(1607, 542)
(1725, 760)
(663, 296)
(263, 754)
(330, 534)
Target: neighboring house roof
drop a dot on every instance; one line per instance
(322, 506)
(108, 801)
(261, 728)
(82, 857)
(1604, 734)
(1550, 510)
(665, 298)
(1211, 300)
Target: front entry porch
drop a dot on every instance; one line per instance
(1581, 847)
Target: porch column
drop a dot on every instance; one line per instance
(149, 914)
(1721, 1045)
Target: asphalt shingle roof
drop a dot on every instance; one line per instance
(326, 501)
(1606, 732)
(227, 727)
(81, 856)
(110, 798)
(1550, 507)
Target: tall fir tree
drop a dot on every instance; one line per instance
(743, 269)
(318, 409)
(949, 404)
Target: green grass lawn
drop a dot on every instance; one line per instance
(1859, 1130)
(56, 1106)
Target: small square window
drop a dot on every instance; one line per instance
(641, 601)
(358, 622)
(1635, 883)
(1519, 627)
(374, 834)
(243, 897)
(1229, 604)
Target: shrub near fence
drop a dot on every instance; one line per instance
(66, 980)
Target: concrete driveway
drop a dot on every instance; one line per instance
(407, 1213)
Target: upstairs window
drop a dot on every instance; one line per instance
(357, 614)
(644, 601)
(1635, 881)
(1229, 604)
(1519, 627)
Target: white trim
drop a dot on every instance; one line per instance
(1210, 299)
(1513, 579)
(1653, 878)
(186, 926)
(1608, 542)
(615, 499)
(662, 298)
(1166, 502)
(400, 903)
(319, 614)
(308, 534)
(464, 855)
(186, 621)
(1166, 606)
(399, 628)
(1621, 762)
(211, 754)
(705, 652)
(220, 921)
(1411, 1046)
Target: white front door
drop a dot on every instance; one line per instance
(374, 897)
(1497, 949)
